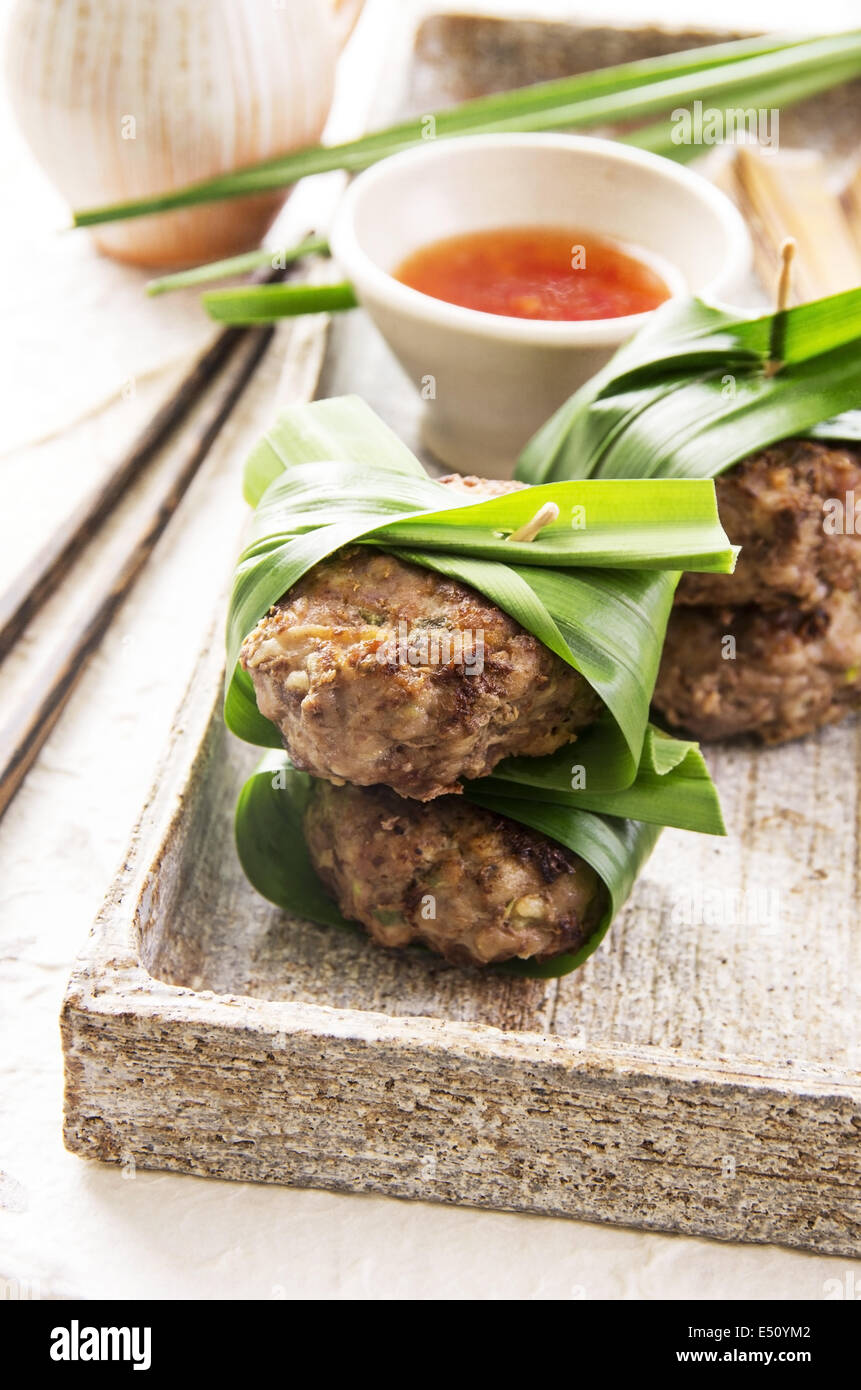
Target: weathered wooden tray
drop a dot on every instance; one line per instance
(699, 1074)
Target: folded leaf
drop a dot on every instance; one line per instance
(271, 843)
(690, 395)
(331, 474)
(672, 787)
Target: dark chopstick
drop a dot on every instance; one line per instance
(26, 731)
(28, 591)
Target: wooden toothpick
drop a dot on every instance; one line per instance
(549, 512)
(784, 284)
(787, 255)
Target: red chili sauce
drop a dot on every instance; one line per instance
(535, 273)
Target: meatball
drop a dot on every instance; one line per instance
(788, 673)
(773, 505)
(475, 887)
(380, 671)
(480, 489)
(792, 608)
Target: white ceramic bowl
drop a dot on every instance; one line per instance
(490, 380)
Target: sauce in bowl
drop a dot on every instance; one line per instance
(535, 273)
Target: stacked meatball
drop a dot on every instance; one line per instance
(775, 648)
(389, 740)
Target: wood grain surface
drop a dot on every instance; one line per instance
(27, 727)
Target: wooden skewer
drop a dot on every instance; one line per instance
(788, 193)
(23, 735)
(543, 517)
(27, 593)
(784, 285)
(787, 256)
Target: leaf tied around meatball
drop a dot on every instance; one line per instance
(380, 671)
(474, 886)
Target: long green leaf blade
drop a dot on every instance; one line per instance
(237, 265)
(265, 303)
(690, 395)
(622, 92)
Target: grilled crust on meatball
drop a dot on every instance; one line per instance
(332, 670)
(792, 607)
(790, 671)
(480, 489)
(475, 887)
(773, 505)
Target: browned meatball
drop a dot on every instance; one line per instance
(380, 671)
(792, 671)
(480, 489)
(773, 505)
(792, 607)
(473, 886)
